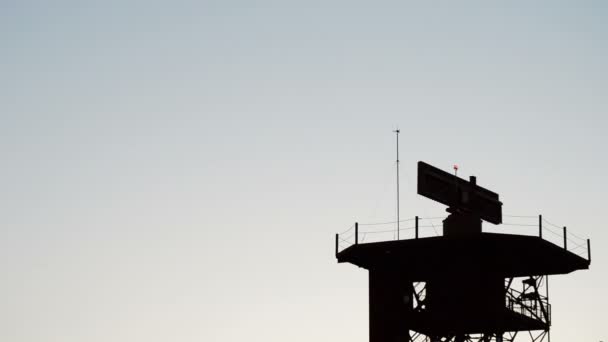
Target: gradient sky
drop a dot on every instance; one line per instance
(175, 171)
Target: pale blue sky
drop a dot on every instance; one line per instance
(175, 171)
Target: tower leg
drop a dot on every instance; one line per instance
(390, 304)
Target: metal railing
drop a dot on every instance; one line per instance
(536, 308)
(420, 227)
(410, 228)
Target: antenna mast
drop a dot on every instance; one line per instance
(397, 135)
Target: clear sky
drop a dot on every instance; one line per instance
(175, 171)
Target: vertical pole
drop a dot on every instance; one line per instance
(540, 226)
(588, 250)
(356, 233)
(565, 240)
(397, 134)
(548, 309)
(416, 227)
(336, 244)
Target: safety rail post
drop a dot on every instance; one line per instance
(356, 233)
(416, 227)
(540, 226)
(337, 244)
(565, 239)
(589, 250)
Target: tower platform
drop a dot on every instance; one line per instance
(503, 255)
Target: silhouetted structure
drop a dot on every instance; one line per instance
(460, 286)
